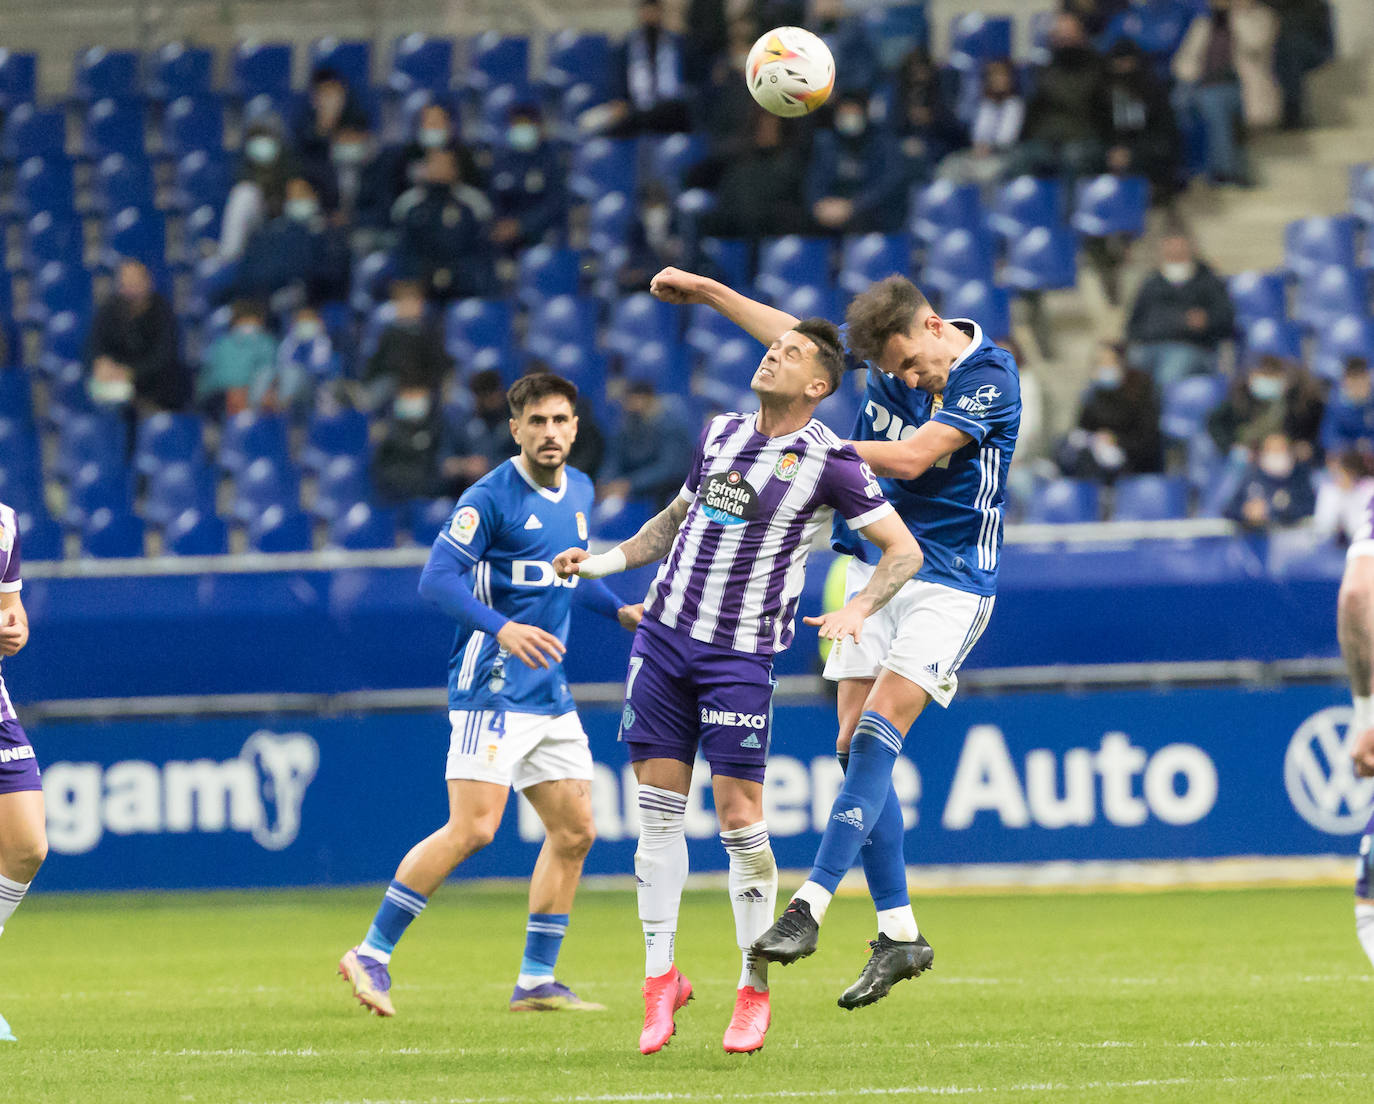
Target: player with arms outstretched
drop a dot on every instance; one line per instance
(23, 834)
(761, 486)
(938, 426)
(513, 719)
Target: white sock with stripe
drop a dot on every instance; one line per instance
(660, 873)
(11, 893)
(753, 883)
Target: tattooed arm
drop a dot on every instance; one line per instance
(647, 546)
(901, 559)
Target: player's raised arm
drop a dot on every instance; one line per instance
(647, 546)
(759, 320)
(915, 456)
(901, 559)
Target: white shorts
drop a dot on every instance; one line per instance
(516, 749)
(923, 634)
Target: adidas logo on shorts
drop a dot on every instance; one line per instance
(750, 741)
(853, 817)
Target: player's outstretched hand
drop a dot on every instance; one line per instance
(530, 644)
(1363, 754)
(565, 563)
(11, 633)
(672, 285)
(631, 616)
(837, 624)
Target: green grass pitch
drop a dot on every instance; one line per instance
(1237, 995)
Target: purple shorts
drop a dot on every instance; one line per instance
(18, 767)
(681, 695)
(1364, 880)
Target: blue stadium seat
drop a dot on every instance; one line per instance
(1025, 203)
(166, 438)
(791, 262)
(114, 126)
(202, 179)
(176, 69)
(96, 487)
(1328, 293)
(98, 438)
(1314, 243)
(1044, 259)
(64, 340)
(20, 487)
(575, 57)
(975, 38)
(1187, 403)
(495, 108)
(52, 236)
(938, 208)
(350, 58)
(1258, 295)
(612, 217)
(1157, 28)
(250, 436)
(617, 520)
(729, 257)
(175, 487)
(1065, 501)
(471, 325)
(985, 303)
(364, 527)
(896, 29)
(59, 287)
(602, 165)
(278, 529)
(956, 257)
(1107, 205)
(869, 257)
(44, 184)
(212, 281)
(41, 536)
(121, 181)
(18, 78)
(639, 318)
(274, 109)
(263, 483)
(193, 123)
(428, 517)
(342, 433)
(68, 396)
(1270, 336)
(343, 483)
(1041, 23)
(260, 67)
(106, 74)
(661, 363)
(195, 533)
(494, 58)
(547, 271)
(582, 364)
(733, 362)
(809, 301)
(200, 235)
(673, 156)
(419, 61)
(371, 279)
(111, 534)
(708, 329)
(140, 233)
(29, 132)
(1342, 339)
(18, 435)
(559, 321)
(1150, 498)
(1362, 192)
(377, 320)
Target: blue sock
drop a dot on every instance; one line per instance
(857, 809)
(883, 854)
(543, 940)
(400, 905)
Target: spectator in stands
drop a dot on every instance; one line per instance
(653, 242)
(1067, 122)
(1343, 496)
(410, 355)
(996, 131)
(1181, 315)
(405, 463)
(1276, 489)
(434, 129)
(707, 30)
(444, 226)
(1143, 138)
(856, 57)
(1349, 420)
(306, 360)
(331, 107)
(760, 193)
(1118, 426)
(1306, 40)
(1095, 15)
(359, 182)
(133, 347)
(260, 191)
(649, 450)
(238, 365)
(1275, 396)
(729, 110)
(1156, 26)
(1225, 70)
(855, 183)
(651, 82)
(482, 440)
(925, 123)
(298, 253)
(526, 186)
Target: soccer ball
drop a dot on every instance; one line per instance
(790, 72)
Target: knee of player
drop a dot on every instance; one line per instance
(1356, 594)
(472, 835)
(574, 840)
(734, 817)
(23, 861)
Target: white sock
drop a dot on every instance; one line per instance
(1363, 714)
(661, 873)
(367, 950)
(753, 886)
(11, 893)
(1364, 928)
(529, 981)
(817, 896)
(898, 924)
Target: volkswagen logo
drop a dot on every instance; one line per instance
(1321, 779)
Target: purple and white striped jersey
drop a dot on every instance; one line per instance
(9, 584)
(737, 566)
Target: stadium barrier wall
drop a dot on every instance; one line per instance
(270, 800)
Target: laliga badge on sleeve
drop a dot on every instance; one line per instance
(581, 525)
(464, 526)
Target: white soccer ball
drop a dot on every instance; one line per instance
(790, 72)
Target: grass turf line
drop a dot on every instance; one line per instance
(1236, 995)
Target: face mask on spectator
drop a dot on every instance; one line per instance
(112, 391)
(411, 408)
(261, 149)
(302, 210)
(308, 329)
(657, 221)
(1108, 375)
(1108, 454)
(433, 137)
(349, 153)
(850, 123)
(1265, 388)
(523, 137)
(1276, 465)
(1178, 272)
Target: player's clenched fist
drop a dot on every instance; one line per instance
(533, 646)
(565, 564)
(1363, 754)
(672, 285)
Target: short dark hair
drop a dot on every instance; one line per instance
(887, 308)
(1356, 366)
(539, 385)
(240, 309)
(829, 351)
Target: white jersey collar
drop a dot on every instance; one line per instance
(553, 496)
(972, 345)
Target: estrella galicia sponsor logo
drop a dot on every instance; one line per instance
(727, 719)
(729, 499)
(1320, 776)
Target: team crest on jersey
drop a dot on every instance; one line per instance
(627, 718)
(729, 499)
(789, 463)
(464, 526)
(581, 525)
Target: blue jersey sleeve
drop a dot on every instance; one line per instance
(474, 524)
(980, 396)
(444, 581)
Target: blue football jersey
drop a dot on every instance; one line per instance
(510, 529)
(954, 509)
